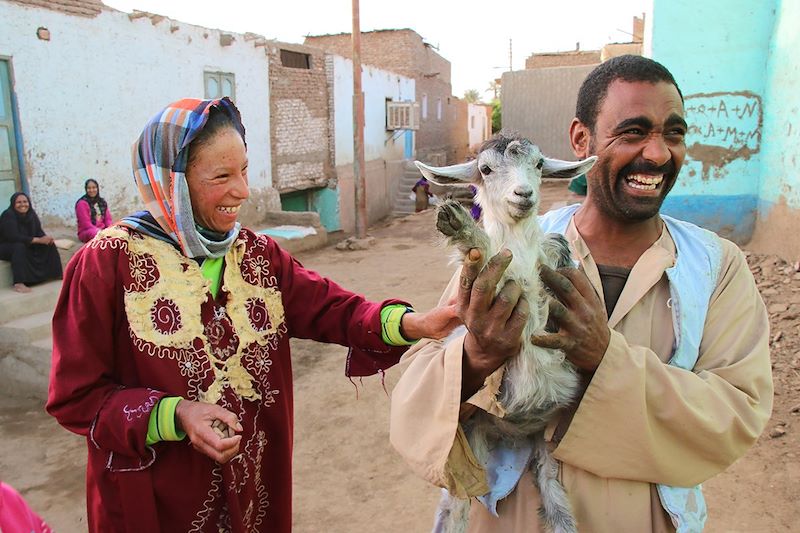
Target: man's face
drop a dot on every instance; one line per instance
(639, 140)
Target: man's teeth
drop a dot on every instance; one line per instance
(644, 181)
(229, 210)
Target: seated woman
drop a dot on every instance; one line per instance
(33, 255)
(92, 212)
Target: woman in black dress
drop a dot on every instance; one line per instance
(33, 255)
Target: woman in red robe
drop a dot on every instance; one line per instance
(177, 322)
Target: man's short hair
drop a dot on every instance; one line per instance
(628, 68)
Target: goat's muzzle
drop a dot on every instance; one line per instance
(520, 207)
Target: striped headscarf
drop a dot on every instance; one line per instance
(160, 158)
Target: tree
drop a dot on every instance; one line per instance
(497, 115)
(494, 88)
(472, 96)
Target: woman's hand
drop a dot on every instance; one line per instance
(434, 324)
(45, 239)
(197, 420)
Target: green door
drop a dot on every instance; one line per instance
(9, 164)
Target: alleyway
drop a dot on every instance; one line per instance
(347, 477)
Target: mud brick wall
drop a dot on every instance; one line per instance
(300, 112)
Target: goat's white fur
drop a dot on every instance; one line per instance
(539, 381)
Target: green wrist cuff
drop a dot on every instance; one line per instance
(161, 425)
(391, 315)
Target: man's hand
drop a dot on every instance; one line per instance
(197, 419)
(434, 324)
(494, 324)
(583, 332)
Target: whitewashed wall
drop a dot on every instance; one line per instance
(478, 125)
(377, 85)
(84, 96)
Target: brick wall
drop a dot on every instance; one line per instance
(301, 130)
(619, 49)
(563, 59)
(459, 133)
(405, 52)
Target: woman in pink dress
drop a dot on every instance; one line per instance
(92, 212)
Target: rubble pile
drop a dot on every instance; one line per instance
(779, 283)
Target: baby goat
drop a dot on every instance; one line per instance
(539, 381)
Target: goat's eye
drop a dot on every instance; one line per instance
(540, 164)
(485, 170)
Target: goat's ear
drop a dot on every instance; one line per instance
(556, 168)
(462, 174)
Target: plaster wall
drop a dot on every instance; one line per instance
(378, 86)
(404, 51)
(479, 125)
(381, 147)
(84, 96)
(779, 192)
(723, 72)
(780, 176)
(540, 104)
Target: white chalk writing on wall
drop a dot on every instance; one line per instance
(728, 120)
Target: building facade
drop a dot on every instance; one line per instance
(80, 80)
(741, 177)
(404, 52)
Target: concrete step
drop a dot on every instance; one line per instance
(6, 277)
(24, 330)
(42, 298)
(25, 372)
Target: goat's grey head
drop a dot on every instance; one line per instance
(507, 173)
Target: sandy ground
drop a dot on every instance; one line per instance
(348, 478)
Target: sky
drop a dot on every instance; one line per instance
(473, 35)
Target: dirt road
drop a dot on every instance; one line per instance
(347, 477)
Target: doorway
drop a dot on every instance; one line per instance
(9, 161)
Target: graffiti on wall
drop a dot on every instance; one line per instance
(723, 127)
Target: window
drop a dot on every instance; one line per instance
(472, 122)
(219, 84)
(295, 59)
(438, 109)
(424, 107)
(402, 115)
(295, 201)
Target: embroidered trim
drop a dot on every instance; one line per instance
(213, 494)
(136, 469)
(180, 283)
(140, 411)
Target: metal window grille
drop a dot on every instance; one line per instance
(402, 115)
(219, 84)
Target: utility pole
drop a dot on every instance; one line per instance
(510, 62)
(358, 131)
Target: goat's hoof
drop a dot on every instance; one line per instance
(450, 218)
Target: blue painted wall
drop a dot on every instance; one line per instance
(737, 66)
(325, 201)
(780, 172)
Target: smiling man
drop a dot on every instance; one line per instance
(662, 319)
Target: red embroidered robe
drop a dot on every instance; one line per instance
(136, 322)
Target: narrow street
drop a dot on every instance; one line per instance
(347, 476)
